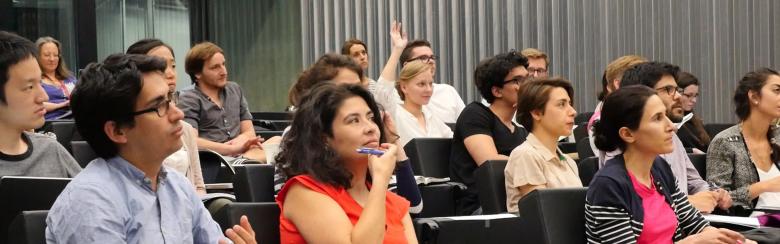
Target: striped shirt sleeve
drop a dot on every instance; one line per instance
(609, 225)
(690, 220)
(606, 217)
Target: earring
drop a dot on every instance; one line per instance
(756, 102)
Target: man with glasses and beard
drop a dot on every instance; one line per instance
(662, 77)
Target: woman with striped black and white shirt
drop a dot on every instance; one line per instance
(634, 198)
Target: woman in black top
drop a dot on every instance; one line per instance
(692, 133)
(638, 184)
(487, 132)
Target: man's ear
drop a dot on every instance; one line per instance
(496, 92)
(114, 132)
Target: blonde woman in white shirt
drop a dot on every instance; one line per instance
(412, 118)
(415, 87)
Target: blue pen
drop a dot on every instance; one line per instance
(365, 150)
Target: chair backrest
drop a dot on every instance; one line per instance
(66, 132)
(254, 183)
(29, 227)
(491, 186)
(82, 152)
(263, 216)
(19, 194)
(700, 163)
(438, 200)
(583, 117)
(581, 131)
(214, 167)
(272, 115)
(583, 148)
(475, 229)
(554, 215)
(568, 147)
(714, 129)
(587, 169)
(430, 156)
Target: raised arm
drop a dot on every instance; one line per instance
(398, 40)
(385, 93)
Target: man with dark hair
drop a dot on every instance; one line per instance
(217, 107)
(487, 132)
(662, 77)
(126, 112)
(21, 109)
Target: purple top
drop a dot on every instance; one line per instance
(57, 95)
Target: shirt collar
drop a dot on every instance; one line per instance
(135, 174)
(222, 92)
(541, 149)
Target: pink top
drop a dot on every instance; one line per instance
(660, 221)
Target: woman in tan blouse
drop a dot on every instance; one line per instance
(544, 108)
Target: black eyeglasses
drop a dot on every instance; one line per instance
(162, 108)
(518, 80)
(424, 58)
(670, 90)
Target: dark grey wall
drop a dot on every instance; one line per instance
(262, 43)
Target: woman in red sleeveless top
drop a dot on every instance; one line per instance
(335, 194)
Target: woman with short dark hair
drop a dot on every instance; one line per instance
(544, 107)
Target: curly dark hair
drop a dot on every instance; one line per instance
(305, 149)
(325, 69)
(492, 71)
